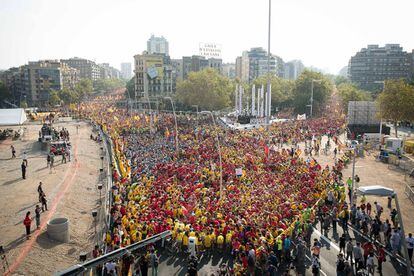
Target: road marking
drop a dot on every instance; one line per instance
(325, 238)
(71, 173)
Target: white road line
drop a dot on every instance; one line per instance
(325, 238)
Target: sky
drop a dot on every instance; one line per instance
(321, 33)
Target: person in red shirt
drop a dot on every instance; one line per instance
(380, 257)
(369, 209)
(368, 249)
(27, 223)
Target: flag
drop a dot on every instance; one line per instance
(167, 133)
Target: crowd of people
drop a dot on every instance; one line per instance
(259, 209)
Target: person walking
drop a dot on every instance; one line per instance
(27, 222)
(349, 249)
(380, 257)
(40, 191)
(357, 251)
(410, 245)
(342, 243)
(37, 212)
(48, 161)
(13, 151)
(23, 166)
(44, 202)
(154, 262)
(52, 161)
(63, 156)
(24, 158)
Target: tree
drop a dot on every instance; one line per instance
(4, 93)
(350, 92)
(54, 98)
(83, 87)
(207, 89)
(282, 90)
(396, 102)
(302, 91)
(130, 88)
(341, 79)
(68, 96)
(108, 84)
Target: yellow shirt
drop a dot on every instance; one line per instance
(220, 239)
(207, 241)
(185, 240)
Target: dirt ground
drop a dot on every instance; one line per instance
(71, 190)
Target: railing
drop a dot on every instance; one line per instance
(409, 192)
(113, 255)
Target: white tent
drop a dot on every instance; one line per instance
(12, 116)
(376, 190)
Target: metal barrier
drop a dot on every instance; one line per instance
(116, 254)
(409, 192)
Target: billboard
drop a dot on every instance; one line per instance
(155, 67)
(210, 50)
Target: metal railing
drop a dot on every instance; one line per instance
(409, 192)
(113, 255)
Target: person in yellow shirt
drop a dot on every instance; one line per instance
(213, 239)
(220, 242)
(180, 236)
(229, 236)
(185, 241)
(207, 242)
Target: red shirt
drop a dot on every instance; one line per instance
(27, 221)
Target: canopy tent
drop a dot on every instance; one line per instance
(12, 116)
(376, 190)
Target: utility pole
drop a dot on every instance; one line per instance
(268, 104)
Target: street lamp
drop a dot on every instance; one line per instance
(268, 105)
(311, 99)
(219, 152)
(380, 130)
(387, 192)
(196, 107)
(175, 120)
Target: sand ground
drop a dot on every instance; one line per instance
(71, 190)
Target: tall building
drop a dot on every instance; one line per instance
(373, 65)
(199, 63)
(87, 68)
(293, 69)
(177, 65)
(157, 45)
(153, 75)
(254, 64)
(109, 72)
(34, 82)
(126, 70)
(239, 68)
(229, 70)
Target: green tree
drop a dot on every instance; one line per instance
(302, 92)
(207, 89)
(350, 92)
(108, 84)
(83, 87)
(396, 102)
(4, 93)
(68, 96)
(341, 79)
(282, 90)
(54, 98)
(130, 88)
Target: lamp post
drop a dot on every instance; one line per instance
(268, 104)
(196, 107)
(380, 130)
(387, 192)
(175, 120)
(219, 152)
(311, 99)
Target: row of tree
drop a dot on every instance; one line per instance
(84, 87)
(211, 91)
